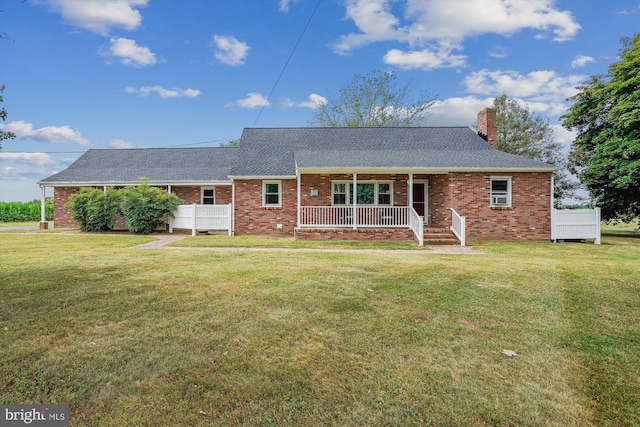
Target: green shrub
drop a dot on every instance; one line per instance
(94, 209)
(145, 208)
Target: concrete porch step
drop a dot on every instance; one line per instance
(439, 236)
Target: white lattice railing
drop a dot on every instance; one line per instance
(202, 217)
(459, 226)
(366, 216)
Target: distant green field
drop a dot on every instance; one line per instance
(22, 212)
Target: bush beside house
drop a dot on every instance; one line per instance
(142, 208)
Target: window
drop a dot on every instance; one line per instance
(208, 196)
(384, 194)
(271, 194)
(339, 193)
(500, 191)
(368, 193)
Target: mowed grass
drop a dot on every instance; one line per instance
(171, 337)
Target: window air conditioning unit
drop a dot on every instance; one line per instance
(499, 200)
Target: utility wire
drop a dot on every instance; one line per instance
(287, 63)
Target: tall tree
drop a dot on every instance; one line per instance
(3, 115)
(521, 132)
(377, 100)
(606, 151)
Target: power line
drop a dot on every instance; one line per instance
(287, 63)
(138, 148)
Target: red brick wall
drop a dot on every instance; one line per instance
(193, 194)
(62, 217)
(189, 194)
(250, 217)
(397, 234)
(528, 218)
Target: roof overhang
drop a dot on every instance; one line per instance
(233, 178)
(430, 171)
(129, 183)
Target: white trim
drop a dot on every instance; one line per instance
(265, 182)
(494, 200)
(271, 177)
(129, 183)
(418, 170)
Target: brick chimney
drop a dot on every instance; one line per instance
(487, 125)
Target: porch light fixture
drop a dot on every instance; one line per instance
(314, 192)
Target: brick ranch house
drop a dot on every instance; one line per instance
(341, 183)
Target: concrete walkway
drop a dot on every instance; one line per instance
(164, 239)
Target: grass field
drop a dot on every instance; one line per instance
(159, 337)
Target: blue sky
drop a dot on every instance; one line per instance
(83, 74)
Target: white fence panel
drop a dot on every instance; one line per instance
(202, 218)
(575, 224)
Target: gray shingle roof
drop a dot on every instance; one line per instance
(165, 165)
(276, 152)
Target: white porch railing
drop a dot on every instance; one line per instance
(459, 226)
(575, 224)
(366, 216)
(202, 217)
(416, 223)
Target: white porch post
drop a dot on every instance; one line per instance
(43, 214)
(169, 188)
(410, 191)
(354, 195)
(299, 198)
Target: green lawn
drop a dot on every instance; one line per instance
(171, 337)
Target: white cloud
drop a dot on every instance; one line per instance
(119, 144)
(55, 134)
(498, 52)
(424, 59)
(230, 51)
(38, 159)
(456, 111)
(538, 85)
(313, 102)
(129, 53)
(100, 16)
(563, 135)
(284, 5)
(446, 23)
(164, 93)
(253, 100)
(456, 20)
(581, 61)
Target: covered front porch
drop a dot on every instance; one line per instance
(383, 206)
